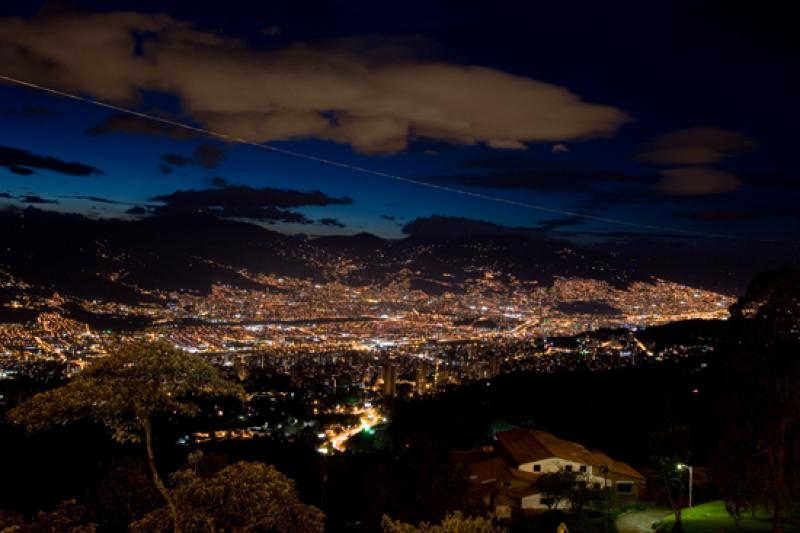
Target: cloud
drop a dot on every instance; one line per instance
(134, 125)
(98, 199)
(28, 111)
(209, 155)
(35, 199)
(691, 181)
(696, 146)
(241, 195)
(693, 151)
(458, 227)
(23, 162)
(267, 204)
(205, 155)
(273, 30)
(388, 217)
(6, 195)
(269, 214)
(375, 95)
(217, 181)
(506, 144)
(22, 171)
(330, 222)
(527, 173)
(176, 160)
(743, 214)
(559, 148)
(555, 223)
(784, 180)
(136, 210)
(605, 199)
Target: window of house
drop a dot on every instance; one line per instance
(582, 468)
(544, 500)
(582, 484)
(537, 468)
(596, 485)
(568, 468)
(625, 487)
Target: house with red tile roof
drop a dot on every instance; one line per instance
(506, 478)
(538, 452)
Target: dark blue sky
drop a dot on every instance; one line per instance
(669, 114)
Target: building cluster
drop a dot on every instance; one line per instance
(329, 341)
(510, 475)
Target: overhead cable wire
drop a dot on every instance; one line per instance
(379, 173)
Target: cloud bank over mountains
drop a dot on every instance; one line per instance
(373, 95)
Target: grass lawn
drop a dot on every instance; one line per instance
(712, 517)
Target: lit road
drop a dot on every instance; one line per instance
(639, 521)
(370, 417)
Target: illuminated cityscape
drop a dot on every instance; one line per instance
(399, 267)
(373, 342)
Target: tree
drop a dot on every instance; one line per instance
(582, 496)
(68, 517)
(772, 296)
(669, 450)
(124, 391)
(452, 523)
(557, 487)
(244, 496)
(123, 493)
(741, 486)
(759, 397)
(423, 483)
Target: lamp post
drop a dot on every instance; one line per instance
(604, 471)
(690, 468)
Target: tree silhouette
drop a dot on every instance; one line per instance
(241, 497)
(668, 450)
(68, 517)
(123, 493)
(452, 523)
(557, 487)
(759, 400)
(123, 391)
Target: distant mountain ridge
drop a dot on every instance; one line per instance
(112, 259)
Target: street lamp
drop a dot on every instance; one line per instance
(604, 471)
(690, 468)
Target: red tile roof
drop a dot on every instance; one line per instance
(527, 446)
(489, 471)
(523, 446)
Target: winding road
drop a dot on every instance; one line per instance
(639, 521)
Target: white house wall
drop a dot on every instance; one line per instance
(556, 464)
(533, 501)
(553, 464)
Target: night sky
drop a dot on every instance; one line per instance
(669, 115)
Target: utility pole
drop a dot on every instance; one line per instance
(690, 468)
(604, 470)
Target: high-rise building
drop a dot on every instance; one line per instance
(422, 376)
(442, 376)
(494, 366)
(241, 367)
(389, 378)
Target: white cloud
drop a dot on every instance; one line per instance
(692, 151)
(374, 96)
